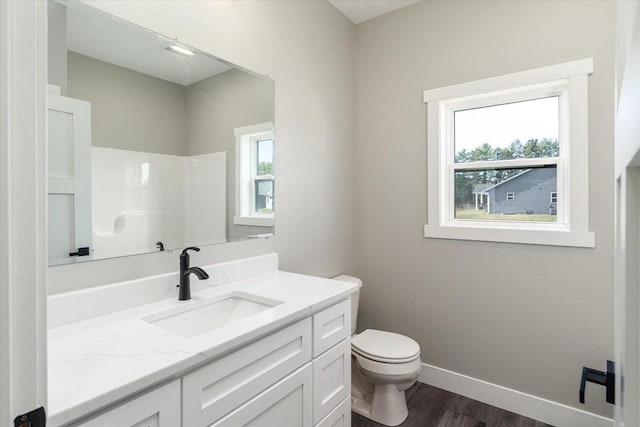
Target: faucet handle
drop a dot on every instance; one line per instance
(190, 248)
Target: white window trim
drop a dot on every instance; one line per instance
(569, 82)
(513, 196)
(246, 137)
(553, 195)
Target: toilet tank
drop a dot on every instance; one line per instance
(355, 298)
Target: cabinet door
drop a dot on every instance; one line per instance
(331, 379)
(215, 390)
(339, 417)
(287, 403)
(157, 408)
(330, 326)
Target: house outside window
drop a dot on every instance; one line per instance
(518, 133)
(255, 179)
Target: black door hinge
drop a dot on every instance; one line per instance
(607, 379)
(35, 418)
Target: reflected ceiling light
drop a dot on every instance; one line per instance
(179, 50)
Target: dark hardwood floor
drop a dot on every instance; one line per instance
(433, 407)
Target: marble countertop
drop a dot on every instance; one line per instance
(98, 361)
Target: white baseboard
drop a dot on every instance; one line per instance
(508, 399)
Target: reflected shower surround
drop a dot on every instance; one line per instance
(140, 199)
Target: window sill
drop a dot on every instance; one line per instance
(255, 221)
(550, 237)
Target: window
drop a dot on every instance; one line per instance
(255, 180)
(518, 133)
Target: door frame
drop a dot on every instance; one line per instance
(23, 240)
(627, 221)
(626, 302)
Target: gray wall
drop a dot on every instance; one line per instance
(218, 105)
(307, 48)
(522, 316)
(129, 110)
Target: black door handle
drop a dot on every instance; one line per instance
(607, 379)
(81, 252)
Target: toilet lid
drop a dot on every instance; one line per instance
(385, 346)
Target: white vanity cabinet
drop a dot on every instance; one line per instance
(332, 364)
(330, 326)
(299, 375)
(157, 408)
(235, 390)
(331, 379)
(212, 392)
(339, 417)
(287, 403)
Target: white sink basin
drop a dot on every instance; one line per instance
(198, 317)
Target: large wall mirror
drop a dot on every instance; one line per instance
(153, 145)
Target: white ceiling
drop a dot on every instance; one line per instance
(362, 10)
(96, 34)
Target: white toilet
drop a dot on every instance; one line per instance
(384, 365)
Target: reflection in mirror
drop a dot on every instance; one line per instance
(153, 144)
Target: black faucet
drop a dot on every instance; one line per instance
(185, 274)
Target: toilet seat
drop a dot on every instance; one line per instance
(393, 369)
(385, 347)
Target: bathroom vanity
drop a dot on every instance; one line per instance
(254, 346)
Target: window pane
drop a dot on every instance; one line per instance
(265, 157)
(526, 129)
(264, 195)
(506, 194)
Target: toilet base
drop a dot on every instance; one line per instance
(377, 388)
(386, 405)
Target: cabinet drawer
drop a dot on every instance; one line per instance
(287, 403)
(331, 379)
(339, 417)
(215, 390)
(157, 408)
(330, 326)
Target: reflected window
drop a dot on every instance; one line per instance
(255, 175)
(263, 179)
